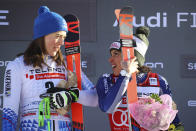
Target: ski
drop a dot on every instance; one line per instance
(126, 39)
(72, 52)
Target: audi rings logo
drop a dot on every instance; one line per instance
(120, 117)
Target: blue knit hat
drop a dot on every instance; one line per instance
(48, 22)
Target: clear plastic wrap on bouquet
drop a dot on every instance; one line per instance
(152, 115)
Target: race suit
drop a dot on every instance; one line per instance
(22, 87)
(112, 97)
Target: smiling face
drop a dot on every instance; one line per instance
(115, 60)
(54, 41)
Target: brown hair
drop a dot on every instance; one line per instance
(144, 69)
(34, 54)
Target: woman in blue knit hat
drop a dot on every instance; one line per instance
(41, 67)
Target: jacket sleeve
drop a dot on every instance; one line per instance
(88, 95)
(12, 89)
(110, 95)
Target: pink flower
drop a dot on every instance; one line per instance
(152, 115)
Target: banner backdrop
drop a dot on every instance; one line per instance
(172, 50)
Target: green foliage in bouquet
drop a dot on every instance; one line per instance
(156, 97)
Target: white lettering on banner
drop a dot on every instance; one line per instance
(160, 20)
(3, 63)
(179, 19)
(192, 103)
(4, 17)
(84, 64)
(194, 19)
(154, 64)
(152, 21)
(185, 14)
(191, 66)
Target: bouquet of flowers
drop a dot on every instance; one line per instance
(153, 113)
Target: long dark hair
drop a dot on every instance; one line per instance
(34, 54)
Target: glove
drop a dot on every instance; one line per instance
(60, 99)
(74, 91)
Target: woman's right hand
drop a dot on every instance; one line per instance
(130, 66)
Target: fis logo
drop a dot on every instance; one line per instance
(183, 17)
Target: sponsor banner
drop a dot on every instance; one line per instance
(160, 20)
(188, 66)
(16, 21)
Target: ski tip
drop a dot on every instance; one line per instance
(70, 17)
(126, 9)
(117, 12)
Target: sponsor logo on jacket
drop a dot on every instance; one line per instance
(46, 73)
(8, 82)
